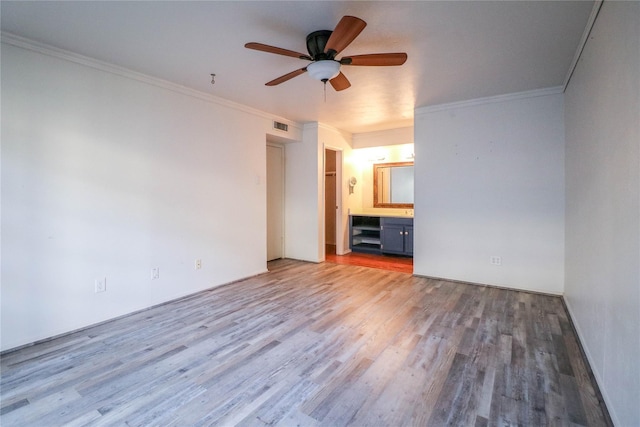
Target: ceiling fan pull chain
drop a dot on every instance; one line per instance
(325, 91)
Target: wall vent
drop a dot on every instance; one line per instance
(281, 126)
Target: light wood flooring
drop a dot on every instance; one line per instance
(385, 262)
(314, 344)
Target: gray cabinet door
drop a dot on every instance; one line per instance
(393, 239)
(397, 235)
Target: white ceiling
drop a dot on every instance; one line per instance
(457, 50)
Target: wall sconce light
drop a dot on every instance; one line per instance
(352, 183)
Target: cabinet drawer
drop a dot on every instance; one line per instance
(401, 222)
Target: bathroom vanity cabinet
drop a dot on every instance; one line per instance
(381, 234)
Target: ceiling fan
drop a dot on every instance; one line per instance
(323, 46)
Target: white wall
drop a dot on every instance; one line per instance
(303, 178)
(304, 183)
(489, 181)
(109, 176)
(602, 287)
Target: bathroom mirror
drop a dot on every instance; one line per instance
(393, 185)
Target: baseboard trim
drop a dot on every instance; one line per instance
(604, 400)
(488, 285)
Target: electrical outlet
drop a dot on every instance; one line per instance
(495, 260)
(101, 285)
(155, 273)
(198, 264)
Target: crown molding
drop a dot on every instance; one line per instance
(330, 128)
(397, 136)
(583, 41)
(44, 49)
(316, 127)
(384, 132)
(555, 90)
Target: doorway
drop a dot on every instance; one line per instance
(333, 227)
(330, 198)
(275, 202)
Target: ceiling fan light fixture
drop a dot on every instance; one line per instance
(324, 70)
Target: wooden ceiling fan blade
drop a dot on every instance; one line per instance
(376, 59)
(340, 82)
(277, 50)
(346, 31)
(286, 77)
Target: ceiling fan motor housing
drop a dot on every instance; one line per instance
(316, 42)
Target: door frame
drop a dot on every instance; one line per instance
(339, 202)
